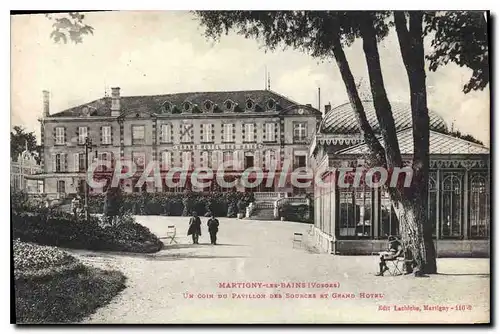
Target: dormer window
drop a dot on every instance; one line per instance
(208, 106)
(187, 106)
(167, 107)
(271, 104)
(86, 111)
(250, 104)
(229, 105)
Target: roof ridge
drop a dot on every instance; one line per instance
(460, 139)
(204, 92)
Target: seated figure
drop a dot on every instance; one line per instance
(395, 249)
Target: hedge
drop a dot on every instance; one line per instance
(61, 229)
(297, 213)
(222, 204)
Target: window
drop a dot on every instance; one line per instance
(82, 134)
(228, 133)
(299, 131)
(166, 133)
(139, 158)
(269, 159)
(389, 224)
(206, 133)
(186, 159)
(355, 212)
(249, 134)
(166, 159)
(208, 106)
(206, 159)
(138, 134)
(59, 162)
(269, 132)
(186, 133)
(81, 162)
(432, 202)
(479, 208)
(299, 161)
(229, 105)
(61, 186)
(250, 105)
(249, 160)
(60, 135)
(271, 104)
(227, 156)
(106, 135)
(451, 222)
(103, 158)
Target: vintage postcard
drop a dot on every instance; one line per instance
(250, 167)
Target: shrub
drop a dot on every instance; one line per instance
(122, 234)
(179, 204)
(297, 213)
(52, 286)
(31, 257)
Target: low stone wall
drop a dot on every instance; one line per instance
(445, 248)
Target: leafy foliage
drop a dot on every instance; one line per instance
(35, 257)
(60, 229)
(462, 38)
(181, 204)
(19, 139)
(307, 31)
(69, 25)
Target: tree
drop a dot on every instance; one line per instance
(461, 38)
(20, 140)
(69, 26)
(323, 35)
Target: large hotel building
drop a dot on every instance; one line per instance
(257, 128)
(264, 129)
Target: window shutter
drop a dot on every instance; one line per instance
(111, 134)
(162, 138)
(201, 132)
(255, 132)
(223, 132)
(100, 129)
(243, 132)
(78, 135)
(64, 164)
(65, 138)
(54, 165)
(76, 161)
(234, 132)
(213, 132)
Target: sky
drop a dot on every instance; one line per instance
(147, 53)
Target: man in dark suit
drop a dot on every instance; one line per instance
(195, 227)
(213, 228)
(395, 249)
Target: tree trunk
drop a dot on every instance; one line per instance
(379, 94)
(412, 51)
(378, 153)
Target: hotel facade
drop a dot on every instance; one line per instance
(187, 130)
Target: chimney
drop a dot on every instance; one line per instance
(46, 103)
(309, 105)
(328, 107)
(115, 101)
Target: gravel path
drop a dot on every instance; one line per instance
(160, 285)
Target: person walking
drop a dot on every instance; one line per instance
(75, 206)
(213, 228)
(194, 227)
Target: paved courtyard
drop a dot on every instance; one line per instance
(202, 283)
